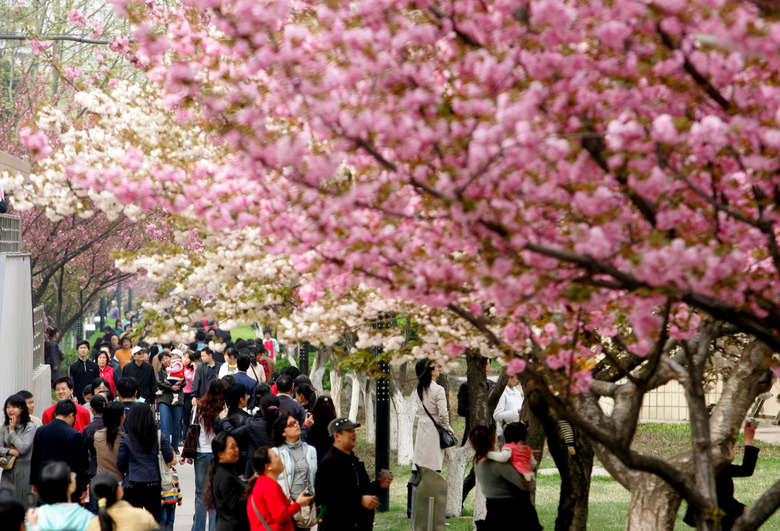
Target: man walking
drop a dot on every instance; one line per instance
(207, 372)
(58, 441)
(342, 487)
(143, 374)
(63, 390)
(284, 389)
(83, 371)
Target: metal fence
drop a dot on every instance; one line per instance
(39, 328)
(10, 234)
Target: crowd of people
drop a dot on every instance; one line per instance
(267, 451)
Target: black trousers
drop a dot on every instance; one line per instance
(146, 496)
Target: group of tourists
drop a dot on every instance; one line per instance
(268, 453)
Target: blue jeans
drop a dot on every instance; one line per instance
(168, 515)
(202, 461)
(170, 420)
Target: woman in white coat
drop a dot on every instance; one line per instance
(299, 458)
(509, 405)
(427, 451)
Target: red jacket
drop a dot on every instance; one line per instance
(272, 504)
(82, 416)
(108, 374)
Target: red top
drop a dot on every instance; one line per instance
(272, 504)
(108, 374)
(82, 416)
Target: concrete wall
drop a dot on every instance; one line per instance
(16, 327)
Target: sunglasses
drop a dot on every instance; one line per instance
(292, 424)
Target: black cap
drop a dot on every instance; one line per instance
(341, 423)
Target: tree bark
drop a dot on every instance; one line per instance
(575, 470)
(476, 381)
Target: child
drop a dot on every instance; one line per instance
(519, 454)
(175, 372)
(170, 499)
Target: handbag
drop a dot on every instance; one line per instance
(7, 462)
(190, 449)
(308, 517)
(446, 439)
(166, 474)
(260, 516)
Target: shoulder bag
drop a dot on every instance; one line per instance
(190, 449)
(7, 462)
(166, 475)
(260, 516)
(446, 439)
(308, 514)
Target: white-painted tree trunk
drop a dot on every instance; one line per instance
(318, 369)
(354, 403)
(393, 426)
(406, 413)
(369, 392)
(336, 386)
(291, 353)
(458, 459)
(480, 509)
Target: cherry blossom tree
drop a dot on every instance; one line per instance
(572, 182)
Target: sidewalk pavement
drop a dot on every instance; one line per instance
(186, 511)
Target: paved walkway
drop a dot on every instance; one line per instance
(186, 510)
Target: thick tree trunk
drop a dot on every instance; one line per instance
(319, 367)
(575, 470)
(369, 392)
(476, 380)
(654, 504)
(354, 403)
(405, 413)
(458, 460)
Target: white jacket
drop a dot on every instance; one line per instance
(289, 466)
(507, 409)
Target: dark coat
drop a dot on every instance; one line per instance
(464, 409)
(83, 373)
(138, 465)
(204, 375)
(340, 484)
(237, 418)
(144, 375)
(56, 441)
(255, 430)
(293, 408)
(229, 499)
(167, 389)
(88, 440)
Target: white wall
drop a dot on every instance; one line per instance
(16, 326)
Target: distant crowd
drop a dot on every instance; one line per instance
(268, 454)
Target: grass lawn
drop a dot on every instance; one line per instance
(609, 501)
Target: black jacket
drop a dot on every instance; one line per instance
(229, 499)
(340, 485)
(463, 406)
(293, 408)
(204, 375)
(144, 375)
(88, 440)
(56, 441)
(237, 418)
(256, 431)
(83, 373)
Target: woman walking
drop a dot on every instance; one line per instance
(431, 402)
(114, 513)
(300, 459)
(16, 440)
(137, 458)
(502, 485)
(224, 492)
(170, 403)
(107, 440)
(106, 371)
(267, 503)
(206, 412)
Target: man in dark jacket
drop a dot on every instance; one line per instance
(236, 399)
(143, 373)
(463, 410)
(58, 441)
(83, 371)
(342, 486)
(205, 374)
(284, 388)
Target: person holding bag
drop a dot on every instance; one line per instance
(16, 441)
(300, 466)
(432, 416)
